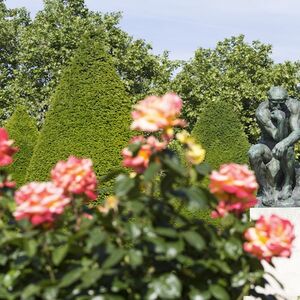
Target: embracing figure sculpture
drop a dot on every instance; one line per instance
(273, 158)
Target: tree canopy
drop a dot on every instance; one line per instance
(43, 46)
(234, 71)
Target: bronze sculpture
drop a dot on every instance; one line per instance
(273, 158)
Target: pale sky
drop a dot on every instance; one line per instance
(181, 26)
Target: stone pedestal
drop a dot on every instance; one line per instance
(287, 270)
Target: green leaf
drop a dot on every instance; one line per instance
(195, 294)
(194, 239)
(174, 165)
(96, 237)
(151, 171)
(135, 257)
(165, 287)
(233, 248)
(239, 279)
(196, 197)
(173, 249)
(90, 277)
(203, 169)
(51, 293)
(219, 292)
(166, 231)
(123, 185)
(30, 290)
(59, 254)
(30, 247)
(114, 258)
(10, 277)
(70, 277)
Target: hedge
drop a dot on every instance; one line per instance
(220, 132)
(89, 115)
(22, 129)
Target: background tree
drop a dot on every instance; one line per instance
(235, 72)
(89, 115)
(12, 21)
(22, 129)
(46, 45)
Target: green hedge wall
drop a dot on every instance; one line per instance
(89, 115)
(22, 129)
(220, 132)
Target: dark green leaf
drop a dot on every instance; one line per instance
(151, 171)
(196, 197)
(90, 277)
(194, 239)
(30, 247)
(203, 169)
(195, 294)
(114, 258)
(70, 277)
(59, 254)
(135, 257)
(96, 237)
(219, 292)
(173, 164)
(165, 231)
(30, 290)
(123, 185)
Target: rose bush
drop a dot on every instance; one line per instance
(56, 244)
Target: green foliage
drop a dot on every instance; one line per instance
(235, 72)
(220, 132)
(46, 44)
(22, 129)
(12, 21)
(144, 249)
(89, 115)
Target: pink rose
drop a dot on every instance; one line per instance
(234, 186)
(76, 176)
(158, 113)
(271, 237)
(139, 162)
(6, 149)
(40, 202)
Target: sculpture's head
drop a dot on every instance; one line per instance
(277, 96)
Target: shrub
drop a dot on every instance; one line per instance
(22, 129)
(89, 115)
(220, 132)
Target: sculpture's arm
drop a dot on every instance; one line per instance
(266, 124)
(294, 136)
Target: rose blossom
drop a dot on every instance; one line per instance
(140, 161)
(40, 202)
(234, 186)
(6, 183)
(6, 149)
(76, 176)
(271, 237)
(156, 113)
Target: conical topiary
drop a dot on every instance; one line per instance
(89, 115)
(220, 132)
(23, 130)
